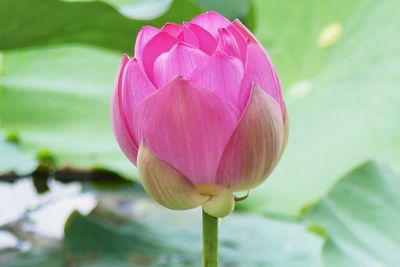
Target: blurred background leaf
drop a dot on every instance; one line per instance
(339, 63)
(61, 103)
(147, 241)
(44, 22)
(361, 215)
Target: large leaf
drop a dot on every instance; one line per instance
(58, 98)
(361, 215)
(150, 241)
(339, 61)
(42, 22)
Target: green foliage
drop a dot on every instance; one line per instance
(44, 22)
(357, 219)
(361, 215)
(91, 242)
(343, 99)
(59, 99)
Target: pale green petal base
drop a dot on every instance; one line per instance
(220, 205)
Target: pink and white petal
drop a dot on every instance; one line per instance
(254, 147)
(260, 70)
(172, 29)
(144, 35)
(241, 41)
(221, 74)
(160, 43)
(211, 21)
(187, 127)
(122, 131)
(182, 59)
(207, 42)
(227, 43)
(238, 25)
(166, 184)
(135, 88)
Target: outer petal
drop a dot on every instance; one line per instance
(121, 129)
(160, 43)
(221, 74)
(238, 25)
(187, 127)
(135, 87)
(211, 21)
(165, 184)
(207, 42)
(144, 35)
(182, 59)
(286, 135)
(254, 147)
(260, 70)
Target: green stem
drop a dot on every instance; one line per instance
(210, 240)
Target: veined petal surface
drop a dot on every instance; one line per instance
(123, 133)
(254, 147)
(182, 59)
(221, 74)
(260, 70)
(211, 21)
(187, 127)
(135, 87)
(144, 35)
(166, 184)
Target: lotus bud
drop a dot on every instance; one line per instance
(199, 110)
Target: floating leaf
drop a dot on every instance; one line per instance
(343, 100)
(361, 215)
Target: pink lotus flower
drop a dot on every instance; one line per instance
(199, 109)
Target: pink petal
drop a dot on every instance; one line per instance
(172, 29)
(207, 42)
(221, 74)
(211, 21)
(227, 43)
(165, 184)
(260, 70)
(255, 145)
(240, 41)
(135, 87)
(238, 25)
(160, 43)
(121, 129)
(190, 37)
(182, 59)
(144, 35)
(187, 127)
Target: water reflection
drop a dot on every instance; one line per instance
(28, 214)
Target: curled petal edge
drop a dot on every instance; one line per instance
(166, 184)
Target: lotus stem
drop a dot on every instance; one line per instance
(210, 240)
